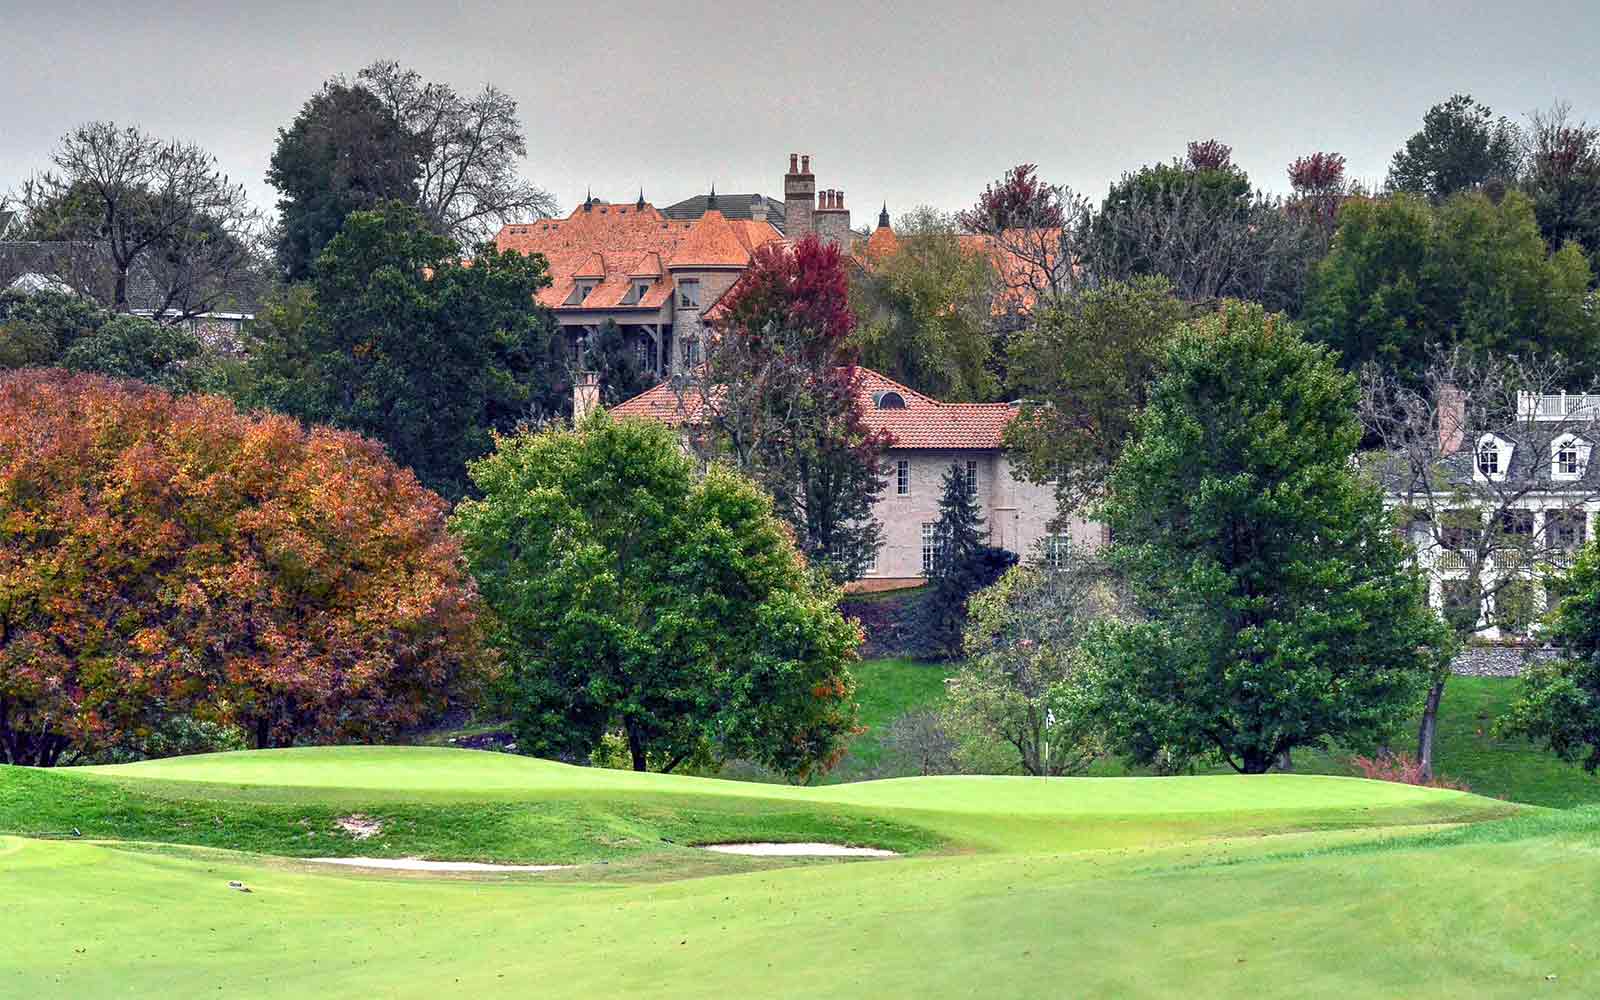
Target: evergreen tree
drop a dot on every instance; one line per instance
(1279, 608)
(963, 564)
(621, 375)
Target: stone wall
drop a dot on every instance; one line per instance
(1497, 660)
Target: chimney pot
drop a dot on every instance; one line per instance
(838, 199)
(805, 164)
(794, 163)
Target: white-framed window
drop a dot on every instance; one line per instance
(872, 561)
(1565, 529)
(902, 477)
(691, 352)
(643, 353)
(927, 547)
(972, 478)
(689, 293)
(1492, 460)
(637, 291)
(1569, 457)
(1057, 549)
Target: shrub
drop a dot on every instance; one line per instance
(1402, 768)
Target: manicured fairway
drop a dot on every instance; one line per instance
(1278, 886)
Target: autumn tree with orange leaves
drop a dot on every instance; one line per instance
(165, 556)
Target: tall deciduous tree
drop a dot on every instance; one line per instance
(1461, 146)
(166, 557)
(779, 395)
(1406, 278)
(1563, 179)
(1023, 683)
(130, 208)
(406, 343)
(1083, 369)
(1196, 222)
(1280, 608)
(345, 152)
(467, 149)
(1039, 226)
(631, 593)
(925, 314)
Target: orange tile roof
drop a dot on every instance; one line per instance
(620, 244)
(924, 422)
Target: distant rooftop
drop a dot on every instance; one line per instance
(732, 206)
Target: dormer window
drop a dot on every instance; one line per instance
(1569, 457)
(1492, 460)
(889, 400)
(580, 291)
(1489, 460)
(637, 291)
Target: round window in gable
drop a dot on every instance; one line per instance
(889, 400)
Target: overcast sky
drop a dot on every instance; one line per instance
(908, 102)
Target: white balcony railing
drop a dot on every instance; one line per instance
(1561, 406)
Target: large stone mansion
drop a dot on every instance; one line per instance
(657, 272)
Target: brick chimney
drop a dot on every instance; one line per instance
(1452, 416)
(585, 396)
(799, 195)
(832, 219)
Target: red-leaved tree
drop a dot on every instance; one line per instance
(163, 556)
(1032, 230)
(780, 394)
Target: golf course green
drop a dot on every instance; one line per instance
(114, 881)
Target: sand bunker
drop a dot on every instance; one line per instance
(418, 865)
(800, 850)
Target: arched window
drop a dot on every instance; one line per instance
(1493, 458)
(1569, 457)
(889, 400)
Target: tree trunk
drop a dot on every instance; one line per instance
(1286, 762)
(1428, 729)
(263, 734)
(636, 749)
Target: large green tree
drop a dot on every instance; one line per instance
(1083, 369)
(344, 152)
(1279, 608)
(1405, 279)
(405, 342)
(1461, 146)
(632, 594)
(926, 314)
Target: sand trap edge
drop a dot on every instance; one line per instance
(418, 865)
(803, 850)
